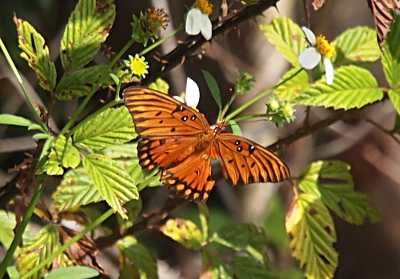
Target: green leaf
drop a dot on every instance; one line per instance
(160, 85)
(247, 267)
(113, 182)
(76, 189)
(213, 266)
(35, 251)
(36, 53)
(8, 224)
(355, 46)
(73, 272)
(274, 224)
(391, 54)
(394, 96)
(353, 87)
(396, 127)
(293, 87)
(332, 182)
(136, 261)
(214, 88)
(312, 234)
(287, 37)
(88, 27)
(133, 208)
(111, 127)
(183, 231)
(243, 237)
(10, 119)
(62, 154)
(80, 82)
(204, 216)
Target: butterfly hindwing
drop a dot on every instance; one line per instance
(158, 114)
(244, 161)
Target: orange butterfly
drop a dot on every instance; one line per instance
(178, 139)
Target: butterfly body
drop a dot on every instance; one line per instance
(179, 140)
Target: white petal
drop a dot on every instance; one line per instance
(206, 26)
(329, 71)
(192, 93)
(309, 35)
(179, 99)
(193, 22)
(309, 58)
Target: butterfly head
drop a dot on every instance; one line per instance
(218, 127)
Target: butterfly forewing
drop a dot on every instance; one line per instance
(158, 114)
(244, 161)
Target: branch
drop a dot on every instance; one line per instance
(192, 43)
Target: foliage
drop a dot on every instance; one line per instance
(99, 163)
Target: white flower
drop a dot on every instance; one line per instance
(197, 19)
(192, 94)
(320, 48)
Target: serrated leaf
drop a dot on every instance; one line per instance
(35, 251)
(73, 272)
(293, 87)
(394, 96)
(213, 266)
(287, 37)
(353, 87)
(76, 189)
(243, 237)
(183, 231)
(111, 127)
(312, 234)
(10, 119)
(247, 267)
(391, 54)
(36, 53)
(113, 182)
(62, 154)
(355, 46)
(214, 88)
(80, 82)
(333, 183)
(135, 261)
(88, 27)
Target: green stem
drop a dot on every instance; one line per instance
(62, 249)
(28, 97)
(257, 98)
(21, 229)
(156, 44)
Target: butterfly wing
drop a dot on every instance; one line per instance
(170, 138)
(244, 161)
(158, 114)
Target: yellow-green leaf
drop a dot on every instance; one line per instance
(353, 87)
(391, 54)
(62, 154)
(36, 53)
(111, 127)
(333, 183)
(312, 234)
(112, 181)
(293, 87)
(213, 266)
(394, 96)
(76, 189)
(287, 37)
(87, 27)
(183, 231)
(35, 251)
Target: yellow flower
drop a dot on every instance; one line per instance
(137, 65)
(197, 19)
(319, 49)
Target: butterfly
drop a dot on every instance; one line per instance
(179, 141)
